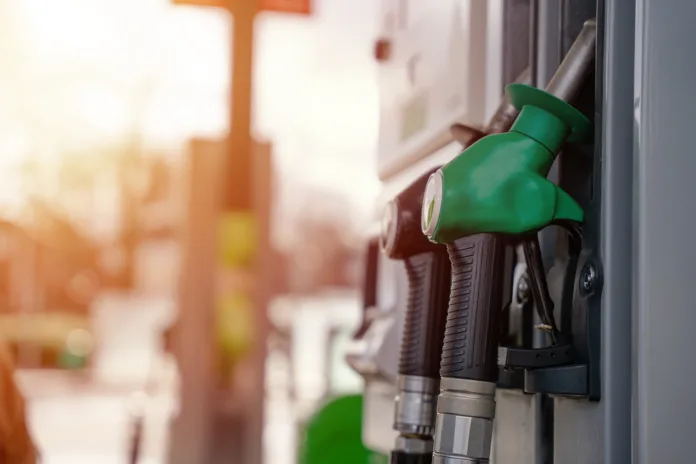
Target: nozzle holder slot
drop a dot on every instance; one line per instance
(582, 378)
(520, 358)
(559, 381)
(576, 277)
(571, 368)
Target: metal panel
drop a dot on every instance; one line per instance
(516, 38)
(616, 72)
(549, 42)
(665, 268)
(601, 432)
(516, 428)
(378, 415)
(445, 63)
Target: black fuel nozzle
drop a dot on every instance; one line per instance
(429, 271)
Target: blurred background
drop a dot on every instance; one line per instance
(177, 251)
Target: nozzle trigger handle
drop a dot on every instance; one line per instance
(473, 317)
(426, 313)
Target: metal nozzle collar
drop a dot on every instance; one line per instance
(415, 405)
(411, 445)
(464, 424)
(467, 398)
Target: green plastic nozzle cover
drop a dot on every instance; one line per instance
(498, 184)
(334, 435)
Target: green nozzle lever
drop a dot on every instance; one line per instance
(499, 183)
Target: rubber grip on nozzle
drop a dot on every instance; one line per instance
(426, 313)
(475, 307)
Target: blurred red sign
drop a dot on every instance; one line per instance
(207, 3)
(302, 7)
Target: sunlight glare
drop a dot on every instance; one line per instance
(106, 113)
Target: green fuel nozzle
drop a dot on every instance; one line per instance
(494, 190)
(499, 184)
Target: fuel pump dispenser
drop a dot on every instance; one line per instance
(494, 195)
(428, 270)
(582, 194)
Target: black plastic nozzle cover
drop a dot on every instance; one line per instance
(424, 327)
(428, 269)
(472, 332)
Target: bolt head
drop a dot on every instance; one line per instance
(589, 275)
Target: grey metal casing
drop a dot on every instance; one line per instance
(648, 403)
(664, 399)
(516, 428)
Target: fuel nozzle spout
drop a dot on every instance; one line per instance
(491, 196)
(428, 270)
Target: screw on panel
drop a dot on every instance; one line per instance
(588, 278)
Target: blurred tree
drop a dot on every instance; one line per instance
(326, 243)
(160, 181)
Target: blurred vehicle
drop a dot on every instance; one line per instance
(49, 277)
(59, 340)
(66, 270)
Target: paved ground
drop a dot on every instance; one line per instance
(78, 419)
(85, 420)
(74, 422)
